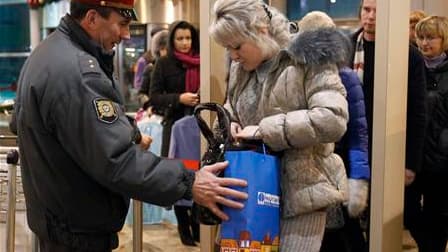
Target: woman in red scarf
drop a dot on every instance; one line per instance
(175, 91)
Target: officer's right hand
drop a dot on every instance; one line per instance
(208, 189)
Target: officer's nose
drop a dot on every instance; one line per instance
(125, 33)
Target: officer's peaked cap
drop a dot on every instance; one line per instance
(124, 7)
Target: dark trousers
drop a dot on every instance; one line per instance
(427, 223)
(436, 233)
(435, 213)
(349, 238)
(186, 224)
(413, 211)
(49, 246)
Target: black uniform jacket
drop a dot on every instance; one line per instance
(79, 163)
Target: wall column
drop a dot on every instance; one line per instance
(207, 234)
(389, 125)
(35, 27)
(436, 7)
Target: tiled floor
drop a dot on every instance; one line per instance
(156, 238)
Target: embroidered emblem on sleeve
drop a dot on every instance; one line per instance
(105, 110)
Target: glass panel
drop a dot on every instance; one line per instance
(338, 9)
(53, 12)
(14, 28)
(346, 9)
(2, 2)
(10, 70)
(129, 52)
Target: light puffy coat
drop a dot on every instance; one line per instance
(304, 111)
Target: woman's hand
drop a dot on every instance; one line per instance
(189, 99)
(235, 128)
(249, 132)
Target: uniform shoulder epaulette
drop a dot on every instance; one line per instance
(88, 64)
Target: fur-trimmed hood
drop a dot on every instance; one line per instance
(321, 46)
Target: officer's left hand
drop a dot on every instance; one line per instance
(145, 142)
(209, 190)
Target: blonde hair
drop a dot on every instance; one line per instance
(435, 26)
(416, 16)
(235, 21)
(315, 20)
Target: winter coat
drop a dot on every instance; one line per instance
(304, 111)
(435, 167)
(79, 162)
(353, 147)
(436, 145)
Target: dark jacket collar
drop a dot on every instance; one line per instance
(77, 34)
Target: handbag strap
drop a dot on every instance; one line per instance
(223, 120)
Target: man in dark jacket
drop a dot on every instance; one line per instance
(364, 63)
(80, 159)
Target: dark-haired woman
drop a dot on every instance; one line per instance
(174, 92)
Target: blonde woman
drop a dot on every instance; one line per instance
(432, 41)
(295, 102)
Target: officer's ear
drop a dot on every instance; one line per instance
(91, 18)
(90, 22)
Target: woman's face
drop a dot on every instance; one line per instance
(248, 54)
(430, 45)
(182, 40)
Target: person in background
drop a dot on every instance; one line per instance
(159, 43)
(432, 40)
(140, 66)
(293, 100)
(340, 232)
(175, 80)
(414, 18)
(363, 59)
(79, 157)
(174, 90)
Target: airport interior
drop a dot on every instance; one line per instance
(24, 24)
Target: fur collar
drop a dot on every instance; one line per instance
(321, 46)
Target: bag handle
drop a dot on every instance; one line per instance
(223, 120)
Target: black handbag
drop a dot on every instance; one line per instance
(217, 142)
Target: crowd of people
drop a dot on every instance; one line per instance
(256, 47)
(306, 92)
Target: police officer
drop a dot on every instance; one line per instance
(80, 159)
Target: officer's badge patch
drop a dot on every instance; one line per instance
(105, 110)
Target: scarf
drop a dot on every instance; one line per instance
(358, 60)
(192, 76)
(79, 36)
(435, 61)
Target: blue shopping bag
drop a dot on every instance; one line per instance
(256, 226)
